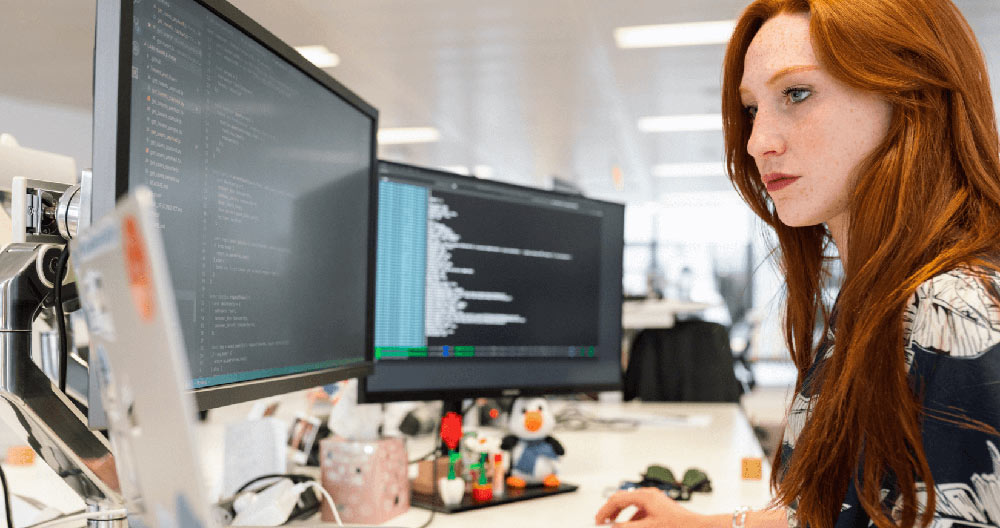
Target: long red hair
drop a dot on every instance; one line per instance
(927, 201)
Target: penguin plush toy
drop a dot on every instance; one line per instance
(534, 454)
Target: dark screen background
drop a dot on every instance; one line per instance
(559, 298)
(262, 180)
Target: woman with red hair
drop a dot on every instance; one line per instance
(869, 125)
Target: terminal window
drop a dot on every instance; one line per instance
(233, 141)
(463, 272)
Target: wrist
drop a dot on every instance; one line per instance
(724, 520)
(739, 519)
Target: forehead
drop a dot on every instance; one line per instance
(782, 42)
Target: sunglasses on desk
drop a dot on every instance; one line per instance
(662, 478)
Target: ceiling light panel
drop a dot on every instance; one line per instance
(457, 169)
(681, 123)
(483, 171)
(666, 35)
(408, 135)
(319, 55)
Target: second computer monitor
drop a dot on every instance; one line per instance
(489, 289)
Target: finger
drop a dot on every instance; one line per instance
(635, 509)
(616, 503)
(608, 513)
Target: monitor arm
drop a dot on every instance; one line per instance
(36, 408)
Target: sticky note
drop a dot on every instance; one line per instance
(752, 468)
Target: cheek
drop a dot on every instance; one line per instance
(826, 154)
(823, 149)
(861, 128)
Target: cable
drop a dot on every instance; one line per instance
(61, 317)
(59, 517)
(296, 479)
(326, 495)
(573, 418)
(6, 498)
(78, 517)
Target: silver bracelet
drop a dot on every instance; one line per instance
(740, 516)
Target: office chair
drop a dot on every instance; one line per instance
(692, 362)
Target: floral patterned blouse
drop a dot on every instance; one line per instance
(951, 331)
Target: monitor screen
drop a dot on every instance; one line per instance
(490, 289)
(262, 167)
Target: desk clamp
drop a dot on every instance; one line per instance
(36, 408)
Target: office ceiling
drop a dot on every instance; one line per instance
(529, 88)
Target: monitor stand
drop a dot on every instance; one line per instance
(433, 501)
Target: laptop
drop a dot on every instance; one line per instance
(138, 351)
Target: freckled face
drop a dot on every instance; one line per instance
(810, 131)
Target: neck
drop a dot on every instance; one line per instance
(838, 227)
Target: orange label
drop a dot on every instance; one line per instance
(752, 468)
(140, 278)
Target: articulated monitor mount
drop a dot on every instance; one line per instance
(35, 406)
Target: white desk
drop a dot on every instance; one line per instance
(713, 438)
(597, 460)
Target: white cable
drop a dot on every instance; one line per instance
(329, 500)
(79, 516)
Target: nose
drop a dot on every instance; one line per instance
(766, 138)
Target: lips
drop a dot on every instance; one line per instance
(776, 181)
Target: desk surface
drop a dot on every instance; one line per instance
(712, 437)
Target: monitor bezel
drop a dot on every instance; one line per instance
(112, 117)
(365, 395)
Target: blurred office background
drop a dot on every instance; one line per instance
(523, 91)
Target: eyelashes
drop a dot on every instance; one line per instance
(796, 94)
(793, 95)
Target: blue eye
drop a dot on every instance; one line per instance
(797, 95)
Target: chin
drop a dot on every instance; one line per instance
(793, 219)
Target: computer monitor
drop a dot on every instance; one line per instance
(490, 289)
(263, 170)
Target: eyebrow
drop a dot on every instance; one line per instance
(782, 73)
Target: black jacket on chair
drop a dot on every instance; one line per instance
(691, 361)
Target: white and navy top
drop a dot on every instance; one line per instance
(951, 332)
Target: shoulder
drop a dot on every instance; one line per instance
(954, 313)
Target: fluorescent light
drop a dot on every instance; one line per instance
(697, 169)
(319, 55)
(398, 136)
(664, 35)
(479, 171)
(457, 169)
(483, 171)
(681, 123)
